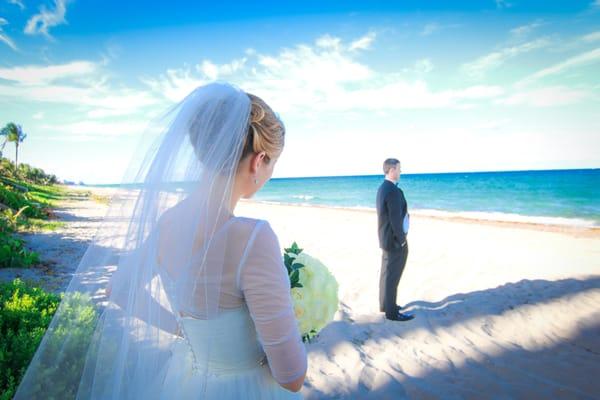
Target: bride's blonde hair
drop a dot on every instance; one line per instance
(265, 130)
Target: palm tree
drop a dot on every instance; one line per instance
(14, 133)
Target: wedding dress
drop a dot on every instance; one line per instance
(223, 358)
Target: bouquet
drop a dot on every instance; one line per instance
(314, 291)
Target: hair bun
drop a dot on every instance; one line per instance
(265, 130)
(257, 113)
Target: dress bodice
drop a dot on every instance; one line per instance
(219, 358)
(227, 343)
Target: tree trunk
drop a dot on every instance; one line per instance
(2, 148)
(17, 155)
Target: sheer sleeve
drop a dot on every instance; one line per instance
(265, 285)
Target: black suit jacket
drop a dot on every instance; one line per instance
(391, 209)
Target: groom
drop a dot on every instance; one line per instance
(392, 222)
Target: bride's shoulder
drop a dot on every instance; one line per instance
(259, 228)
(247, 221)
(249, 224)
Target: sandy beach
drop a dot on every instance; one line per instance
(503, 310)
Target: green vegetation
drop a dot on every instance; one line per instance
(36, 225)
(25, 313)
(27, 196)
(12, 250)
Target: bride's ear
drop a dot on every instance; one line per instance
(256, 161)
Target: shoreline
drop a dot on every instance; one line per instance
(449, 216)
(571, 230)
(494, 218)
(575, 230)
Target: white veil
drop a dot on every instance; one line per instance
(109, 346)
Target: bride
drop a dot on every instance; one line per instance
(176, 297)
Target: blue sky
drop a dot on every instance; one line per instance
(444, 86)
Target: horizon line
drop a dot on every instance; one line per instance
(370, 175)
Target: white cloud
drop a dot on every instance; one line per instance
(525, 30)
(323, 77)
(101, 113)
(591, 37)
(40, 23)
(17, 3)
(479, 92)
(175, 84)
(409, 95)
(314, 66)
(479, 67)
(328, 42)
(492, 124)
(124, 101)
(576, 43)
(104, 98)
(363, 43)
(423, 66)
(4, 37)
(40, 74)
(545, 97)
(430, 28)
(85, 130)
(214, 71)
(84, 87)
(79, 83)
(590, 57)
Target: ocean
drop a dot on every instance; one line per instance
(564, 197)
(570, 197)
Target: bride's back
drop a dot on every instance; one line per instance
(231, 245)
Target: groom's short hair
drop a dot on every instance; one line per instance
(389, 163)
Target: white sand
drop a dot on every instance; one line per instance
(502, 310)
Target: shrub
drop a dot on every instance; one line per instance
(17, 200)
(61, 364)
(12, 250)
(10, 220)
(25, 313)
(35, 175)
(13, 253)
(26, 172)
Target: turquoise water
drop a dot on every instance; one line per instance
(569, 197)
(547, 196)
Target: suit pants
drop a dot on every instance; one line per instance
(392, 266)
